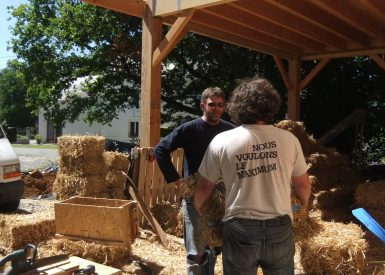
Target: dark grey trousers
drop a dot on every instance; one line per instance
(248, 243)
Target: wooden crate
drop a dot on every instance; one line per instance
(97, 219)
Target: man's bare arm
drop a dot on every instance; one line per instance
(203, 190)
(302, 188)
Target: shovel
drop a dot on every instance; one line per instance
(370, 223)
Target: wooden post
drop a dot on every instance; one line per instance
(150, 81)
(293, 99)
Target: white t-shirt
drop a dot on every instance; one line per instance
(256, 163)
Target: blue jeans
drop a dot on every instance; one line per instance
(249, 243)
(195, 241)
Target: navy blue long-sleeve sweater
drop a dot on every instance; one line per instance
(194, 137)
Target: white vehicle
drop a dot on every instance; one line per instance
(11, 184)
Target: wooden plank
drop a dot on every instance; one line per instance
(293, 103)
(141, 176)
(156, 184)
(61, 268)
(130, 7)
(148, 179)
(146, 212)
(167, 7)
(175, 34)
(71, 265)
(313, 73)
(282, 71)
(99, 268)
(379, 60)
(150, 81)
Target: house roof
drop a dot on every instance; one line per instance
(310, 29)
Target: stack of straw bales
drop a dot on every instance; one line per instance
(327, 246)
(85, 169)
(333, 181)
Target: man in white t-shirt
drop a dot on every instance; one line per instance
(259, 164)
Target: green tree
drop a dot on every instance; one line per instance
(62, 41)
(341, 87)
(13, 92)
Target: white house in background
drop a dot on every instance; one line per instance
(124, 128)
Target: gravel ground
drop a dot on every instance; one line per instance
(31, 163)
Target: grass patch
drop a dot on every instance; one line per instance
(37, 146)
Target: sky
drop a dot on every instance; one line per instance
(5, 33)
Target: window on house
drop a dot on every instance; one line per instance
(134, 129)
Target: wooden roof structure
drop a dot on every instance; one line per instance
(293, 30)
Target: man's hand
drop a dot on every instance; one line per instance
(203, 190)
(180, 186)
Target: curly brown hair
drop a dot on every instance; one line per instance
(255, 99)
(211, 92)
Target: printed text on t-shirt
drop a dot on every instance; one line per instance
(259, 151)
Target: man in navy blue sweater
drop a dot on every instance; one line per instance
(194, 136)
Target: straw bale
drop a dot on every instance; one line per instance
(338, 249)
(116, 161)
(66, 186)
(371, 194)
(114, 185)
(331, 171)
(213, 211)
(297, 128)
(82, 165)
(93, 251)
(305, 225)
(334, 198)
(308, 143)
(76, 146)
(169, 217)
(20, 228)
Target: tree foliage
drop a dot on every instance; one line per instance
(341, 87)
(13, 92)
(61, 41)
(64, 40)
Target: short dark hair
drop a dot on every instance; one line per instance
(210, 92)
(252, 100)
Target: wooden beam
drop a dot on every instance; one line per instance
(353, 16)
(168, 7)
(346, 53)
(379, 60)
(233, 39)
(311, 13)
(313, 73)
(234, 29)
(282, 71)
(293, 99)
(241, 16)
(174, 35)
(150, 82)
(130, 7)
(291, 22)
